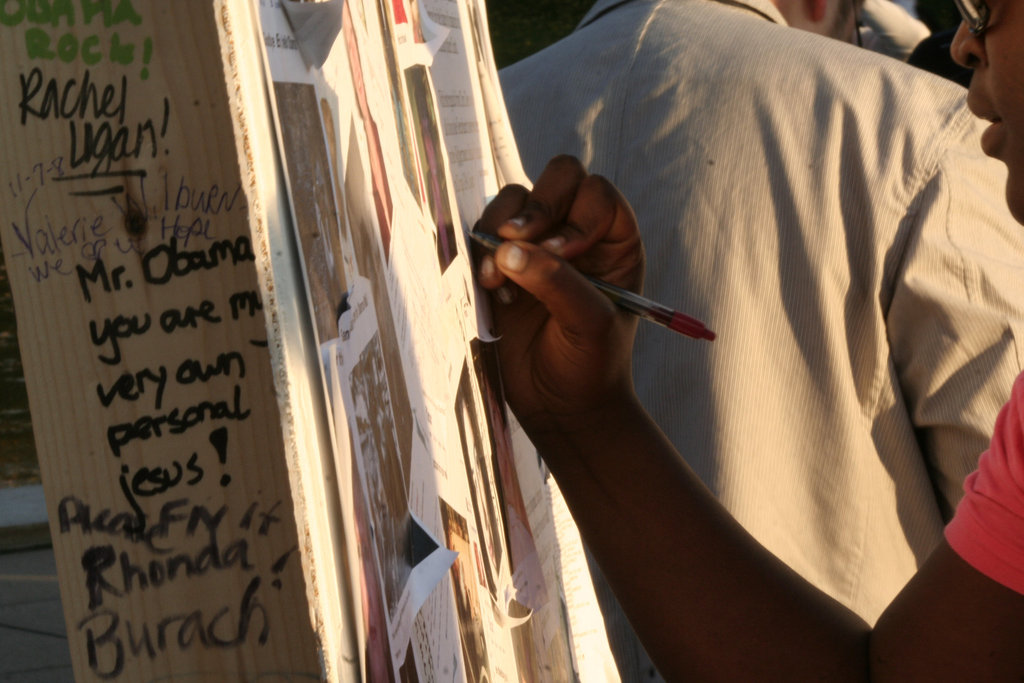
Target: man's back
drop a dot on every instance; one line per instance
(827, 212)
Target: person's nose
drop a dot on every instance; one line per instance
(967, 49)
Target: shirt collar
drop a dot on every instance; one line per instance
(764, 8)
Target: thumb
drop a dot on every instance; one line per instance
(575, 304)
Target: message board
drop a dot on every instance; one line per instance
(266, 397)
(126, 229)
(394, 135)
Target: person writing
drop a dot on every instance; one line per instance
(707, 600)
(829, 213)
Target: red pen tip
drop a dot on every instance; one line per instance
(691, 327)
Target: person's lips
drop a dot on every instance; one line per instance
(992, 138)
(981, 106)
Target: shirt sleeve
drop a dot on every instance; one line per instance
(957, 313)
(988, 528)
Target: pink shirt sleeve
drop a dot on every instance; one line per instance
(988, 528)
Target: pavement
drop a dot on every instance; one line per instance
(33, 638)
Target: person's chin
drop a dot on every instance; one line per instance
(1015, 200)
(1014, 160)
(993, 139)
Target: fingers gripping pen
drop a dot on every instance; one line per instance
(627, 300)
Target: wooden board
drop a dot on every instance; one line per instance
(137, 249)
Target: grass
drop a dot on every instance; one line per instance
(518, 29)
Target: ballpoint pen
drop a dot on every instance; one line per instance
(626, 300)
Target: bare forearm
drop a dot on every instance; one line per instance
(707, 600)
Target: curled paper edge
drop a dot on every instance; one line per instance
(316, 26)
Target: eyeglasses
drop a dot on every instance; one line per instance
(975, 14)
